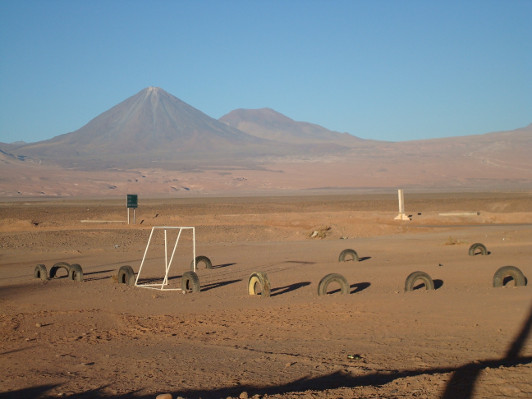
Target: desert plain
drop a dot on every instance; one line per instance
(101, 339)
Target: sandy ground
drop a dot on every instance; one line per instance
(101, 339)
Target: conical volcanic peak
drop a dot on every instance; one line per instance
(152, 126)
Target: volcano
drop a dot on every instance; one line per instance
(150, 128)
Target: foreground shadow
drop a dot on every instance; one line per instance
(462, 383)
(33, 392)
(288, 288)
(460, 386)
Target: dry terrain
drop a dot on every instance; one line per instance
(101, 339)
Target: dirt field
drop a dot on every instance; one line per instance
(101, 339)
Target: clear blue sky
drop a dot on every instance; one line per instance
(379, 69)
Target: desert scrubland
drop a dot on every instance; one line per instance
(101, 339)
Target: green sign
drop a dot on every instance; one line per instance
(132, 200)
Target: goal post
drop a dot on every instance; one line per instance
(167, 262)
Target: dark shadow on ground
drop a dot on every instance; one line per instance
(223, 265)
(100, 272)
(437, 285)
(300, 262)
(21, 349)
(33, 392)
(457, 388)
(462, 383)
(283, 290)
(357, 287)
(211, 286)
(156, 280)
(364, 258)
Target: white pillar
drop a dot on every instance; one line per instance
(401, 215)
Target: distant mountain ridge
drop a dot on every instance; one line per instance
(272, 125)
(153, 141)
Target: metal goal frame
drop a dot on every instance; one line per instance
(167, 262)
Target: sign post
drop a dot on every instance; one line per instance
(132, 202)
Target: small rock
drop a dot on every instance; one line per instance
(164, 396)
(38, 325)
(243, 395)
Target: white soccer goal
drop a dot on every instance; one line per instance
(167, 262)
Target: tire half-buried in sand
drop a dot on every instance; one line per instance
(259, 283)
(509, 271)
(333, 278)
(75, 272)
(190, 282)
(478, 249)
(414, 277)
(40, 272)
(126, 275)
(201, 259)
(57, 266)
(348, 254)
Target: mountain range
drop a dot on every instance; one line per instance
(250, 150)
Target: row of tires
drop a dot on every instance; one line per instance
(350, 254)
(74, 271)
(259, 283)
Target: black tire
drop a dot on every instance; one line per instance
(348, 254)
(262, 282)
(201, 259)
(477, 249)
(75, 272)
(509, 271)
(190, 282)
(330, 278)
(414, 277)
(57, 266)
(126, 275)
(40, 272)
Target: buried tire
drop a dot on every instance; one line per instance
(333, 278)
(509, 271)
(348, 254)
(40, 272)
(57, 266)
(478, 249)
(126, 275)
(201, 259)
(259, 283)
(75, 272)
(190, 282)
(414, 277)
